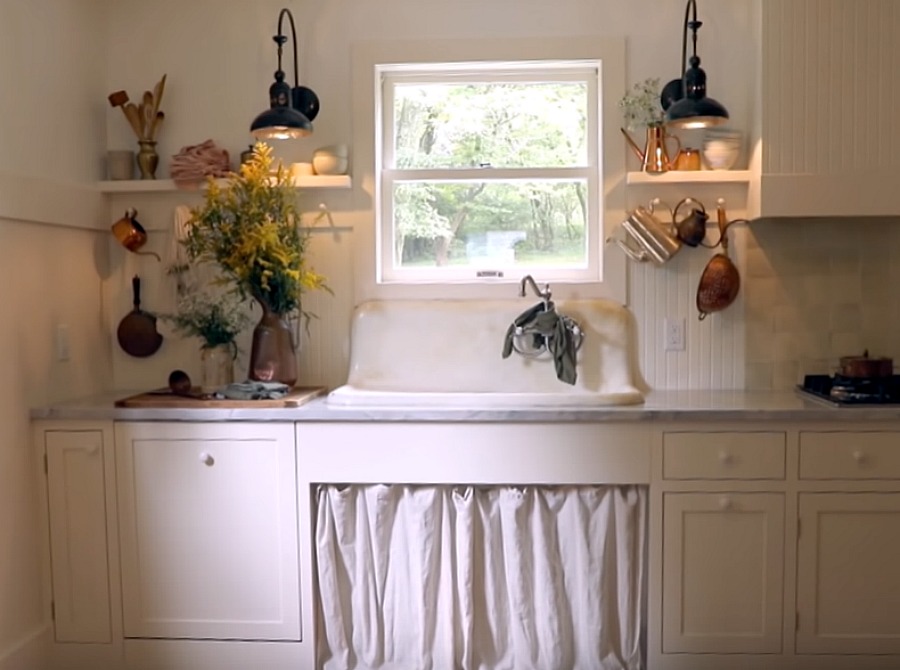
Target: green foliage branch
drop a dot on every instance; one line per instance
(215, 319)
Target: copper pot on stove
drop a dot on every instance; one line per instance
(866, 366)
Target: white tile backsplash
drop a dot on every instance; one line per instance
(816, 291)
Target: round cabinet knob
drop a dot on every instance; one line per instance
(207, 459)
(725, 458)
(92, 449)
(859, 457)
(725, 503)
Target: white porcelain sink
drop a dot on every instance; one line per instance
(447, 353)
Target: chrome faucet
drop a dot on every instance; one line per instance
(528, 280)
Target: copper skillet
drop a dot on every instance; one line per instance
(137, 332)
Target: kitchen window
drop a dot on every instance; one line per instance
(486, 168)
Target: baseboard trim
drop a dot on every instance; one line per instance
(29, 653)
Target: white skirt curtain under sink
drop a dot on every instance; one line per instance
(469, 578)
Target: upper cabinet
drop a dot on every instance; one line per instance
(829, 99)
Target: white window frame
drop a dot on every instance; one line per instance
(587, 72)
(372, 60)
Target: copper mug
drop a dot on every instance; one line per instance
(131, 234)
(688, 159)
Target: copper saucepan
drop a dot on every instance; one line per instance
(866, 366)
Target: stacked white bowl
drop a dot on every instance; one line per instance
(331, 159)
(721, 148)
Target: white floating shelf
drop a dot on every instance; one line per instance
(169, 186)
(690, 177)
(323, 181)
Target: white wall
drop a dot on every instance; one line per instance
(219, 58)
(50, 269)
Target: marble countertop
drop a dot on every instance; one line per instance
(685, 406)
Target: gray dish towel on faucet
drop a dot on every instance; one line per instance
(549, 325)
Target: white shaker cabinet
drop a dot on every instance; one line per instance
(208, 528)
(77, 514)
(848, 550)
(848, 584)
(723, 572)
(722, 553)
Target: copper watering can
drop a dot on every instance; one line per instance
(655, 155)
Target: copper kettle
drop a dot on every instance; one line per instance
(131, 234)
(691, 229)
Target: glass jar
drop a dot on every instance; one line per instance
(217, 367)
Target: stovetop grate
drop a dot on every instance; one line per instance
(841, 390)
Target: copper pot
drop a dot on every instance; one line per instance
(864, 366)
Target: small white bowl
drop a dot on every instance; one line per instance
(721, 159)
(329, 164)
(721, 148)
(340, 150)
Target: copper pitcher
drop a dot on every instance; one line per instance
(655, 155)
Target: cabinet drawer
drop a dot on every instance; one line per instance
(725, 455)
(850, 455)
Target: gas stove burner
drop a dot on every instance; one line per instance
(844, 390)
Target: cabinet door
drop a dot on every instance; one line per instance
(208, 527)
(813, 160)
(723, 564)
(848, 580)
(78, 553)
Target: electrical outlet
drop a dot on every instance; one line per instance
(673, 334)
(62, 342)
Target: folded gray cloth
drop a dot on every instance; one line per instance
(250, 390)
(550, 328)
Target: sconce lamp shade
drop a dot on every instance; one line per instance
(685, 100)
(291, 109)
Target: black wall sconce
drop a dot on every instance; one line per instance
(292, 109)
(684, 100)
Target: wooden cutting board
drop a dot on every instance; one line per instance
(164, 398)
